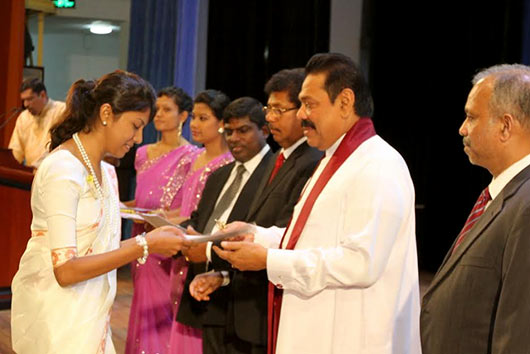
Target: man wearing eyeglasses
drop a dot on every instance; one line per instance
(245, 328)
(295, 161)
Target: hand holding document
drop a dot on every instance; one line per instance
(156, 220)
(240, 230)
(241, 251)
(229, 232)
(243, 255)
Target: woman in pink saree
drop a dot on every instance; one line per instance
(172, 181)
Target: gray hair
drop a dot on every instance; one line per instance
(511, 90)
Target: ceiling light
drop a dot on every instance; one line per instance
(99, 27)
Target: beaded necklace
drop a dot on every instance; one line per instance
(91, 171)
(99, 189)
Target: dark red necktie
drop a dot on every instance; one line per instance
(476, 212)
(279, 162)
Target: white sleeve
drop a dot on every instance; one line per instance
(377, 207)
(60, 189)
(208, 251)
(269, 237)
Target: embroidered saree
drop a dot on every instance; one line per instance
(68, 221)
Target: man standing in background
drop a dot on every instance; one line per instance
(226, 197)
(29, 142)
(245, 329)
(478, 300)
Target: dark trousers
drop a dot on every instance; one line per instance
(216, 340)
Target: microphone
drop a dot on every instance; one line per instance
(9, 111)
(13, 112)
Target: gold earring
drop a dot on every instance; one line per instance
(104, 123)
(179, 130)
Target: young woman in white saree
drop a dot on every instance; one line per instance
(66, 282)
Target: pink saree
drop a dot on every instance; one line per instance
(164, 182)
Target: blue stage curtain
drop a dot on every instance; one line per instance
(186, 49)
(162, 46)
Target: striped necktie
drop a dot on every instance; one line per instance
(476, 212)
(226, 199)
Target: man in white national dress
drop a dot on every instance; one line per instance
(344, 278)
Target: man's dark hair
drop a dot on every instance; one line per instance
(342, 73)
(289, 80)
(243, 107)
(179, 96)
(35, 84)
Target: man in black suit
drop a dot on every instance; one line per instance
(478, 299)
(279, 190)
(226, 197)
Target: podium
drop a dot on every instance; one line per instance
(15, 219)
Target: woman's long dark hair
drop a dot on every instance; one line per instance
(122, 90)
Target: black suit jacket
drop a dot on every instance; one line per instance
(247, 307)
(191, 312)
(478, 300)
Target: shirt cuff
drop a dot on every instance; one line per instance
(209, 251)
(226, 278)
(279, 265)
(269, 237)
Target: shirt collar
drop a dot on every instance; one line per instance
(288, 151)
(251, 164)
(331, 150)
(499, 182)
(45, 109)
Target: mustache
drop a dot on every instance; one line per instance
(306, 123)
(465, 141)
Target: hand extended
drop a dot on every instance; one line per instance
(196, 253)
(167, 241)
(204, 284)
(239, 225)
(243, 255)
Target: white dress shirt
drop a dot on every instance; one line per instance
(270, 237)
(250, 167)
(288, 151)
(352, 279)
(498, 183)
(31, 136)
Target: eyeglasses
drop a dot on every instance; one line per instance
(277, 111)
